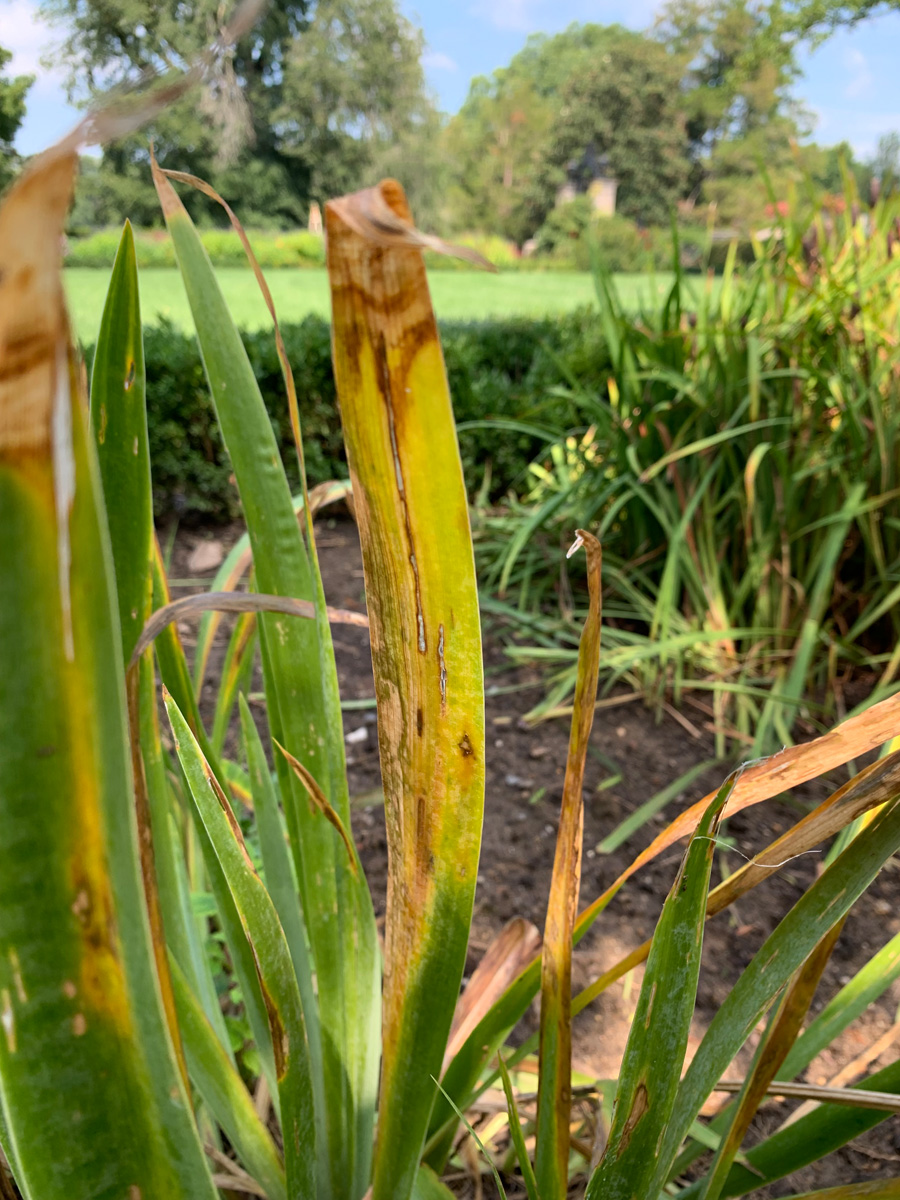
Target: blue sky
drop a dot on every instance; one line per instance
(851, 84)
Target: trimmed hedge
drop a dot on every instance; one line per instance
(497, 369)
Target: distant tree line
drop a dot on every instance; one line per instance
(695, 115)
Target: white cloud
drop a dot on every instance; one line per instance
(29, 38)
(861, 78)
(435, 60)
(519, 16)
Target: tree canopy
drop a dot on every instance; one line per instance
(12, 111)
(302, 108)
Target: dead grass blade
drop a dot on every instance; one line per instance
(874, 786)
(507, 956)
(768, 778)
(319, 800)
(850, 1097)
(237, 602)
(555, 1086)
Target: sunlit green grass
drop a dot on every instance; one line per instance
(458, 295)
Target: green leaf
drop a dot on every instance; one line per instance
(654, 1052)
(224, 1093)
(282, 887)
(515, 1129)
(272, 956)
(304, 713)
(119, 421)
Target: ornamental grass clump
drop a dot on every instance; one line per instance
(738, 460)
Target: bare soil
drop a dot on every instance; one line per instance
(525, 768)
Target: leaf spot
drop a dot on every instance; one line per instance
(8, 1020)
(639, 1107)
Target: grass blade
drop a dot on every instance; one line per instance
(515, 1129)
(646, 811)
(272, 957)
(555, 1076)
(825, 903)
(119, 421)
(224, 1092)
(426, 645)
(304, 711)
(646, 1096)
(282, 885)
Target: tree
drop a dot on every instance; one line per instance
(739, 115)
(626, 104)
(814, 20)
(886, 160)
(497, 143)
(300, 109)
(12, 112)
(592, 85)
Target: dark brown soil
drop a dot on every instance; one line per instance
(525, 768)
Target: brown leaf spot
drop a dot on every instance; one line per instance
(639, 1106)
(70, 991)
(281, 1045)
(465, 746)
(420, 722)
(79, 1025)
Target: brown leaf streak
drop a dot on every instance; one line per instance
(230, 817)
(281, 1043)
(639, 1106)
(384, 379)
(320, 800)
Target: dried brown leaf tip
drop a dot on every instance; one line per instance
(381, 215)
(33, 325)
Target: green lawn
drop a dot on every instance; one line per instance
(458, 295)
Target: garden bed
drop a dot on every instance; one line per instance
(525, 768)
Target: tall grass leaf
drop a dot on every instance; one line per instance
(78, 984)
(177, 680)
(784, 1026)
(413, 520)
(119, 422)
(554, 1108)
(224, 1092)
(821, 906)
(273, 962)
(706, 443)
(646, 1094)
(282, 887)
(304, 711)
